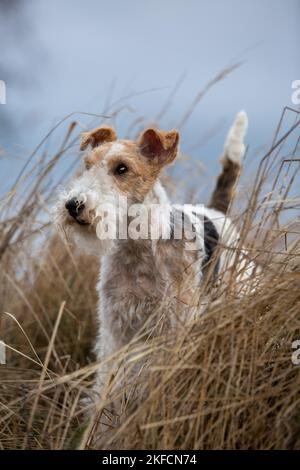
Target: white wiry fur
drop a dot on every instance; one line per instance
(234, 147)
(137, 276)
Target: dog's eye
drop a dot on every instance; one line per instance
(121, 169)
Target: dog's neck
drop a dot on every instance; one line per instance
(157, 195)
(144, 269)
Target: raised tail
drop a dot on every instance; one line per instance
(231, 160)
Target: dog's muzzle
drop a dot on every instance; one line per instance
(75, 208)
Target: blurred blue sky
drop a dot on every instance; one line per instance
(60, 56)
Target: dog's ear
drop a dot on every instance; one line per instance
(97, 136)
(159, 146)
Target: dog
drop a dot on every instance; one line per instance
(138, 274)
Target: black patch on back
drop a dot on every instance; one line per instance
(211, 239)
(174, 219)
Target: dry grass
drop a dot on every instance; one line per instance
(225, 381)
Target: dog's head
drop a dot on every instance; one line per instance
(114, 170)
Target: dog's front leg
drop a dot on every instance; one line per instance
(105, 348)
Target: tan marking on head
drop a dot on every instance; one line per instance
(97, 136)
(140, 176)
(108, 150)
(144, 160)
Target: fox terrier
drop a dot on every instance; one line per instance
(138, 274)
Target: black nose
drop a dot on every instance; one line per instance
(74, 207)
